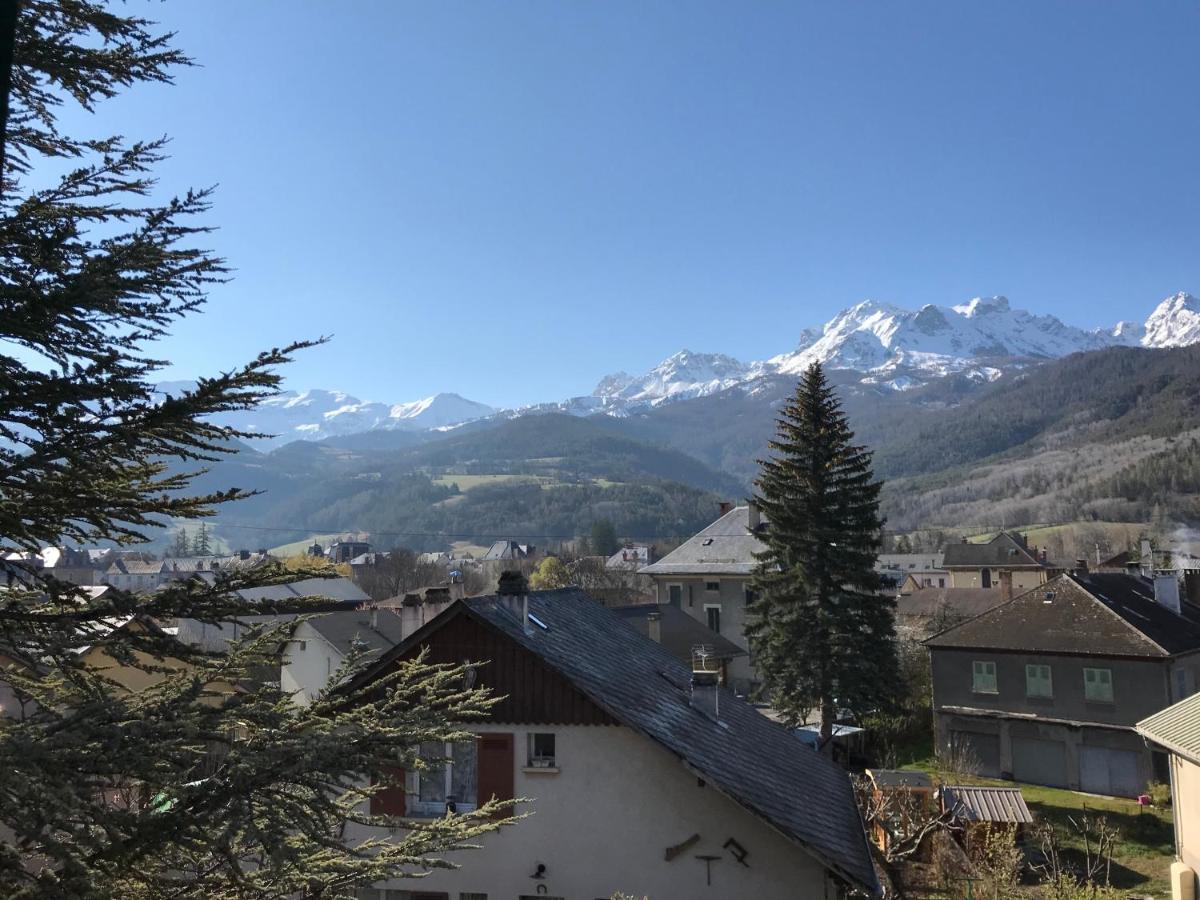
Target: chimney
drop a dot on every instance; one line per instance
(753, 519)
(1081, 565)
(375, 618)
(1042, 556)
(1191, 586)
(706, 676)
(1005, 585)
(654, 626)
(724, 507)
(1147, 558)
(243, 554)
(1166, 591)
(513, 591)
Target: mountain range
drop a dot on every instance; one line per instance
(883, 345)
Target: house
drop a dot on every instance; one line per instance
(1005, 559)
(280, 602)
(1176, 730)
(344, 551)
(646, 777)
(1047, 688)
(148, 575)
(508, 551)
(708, 577)
(679, 633)
(630, 559)
(908, 572)
(931, 609)
(320, 645)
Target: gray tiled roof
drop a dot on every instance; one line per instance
(931, 601)
(342, 590)
(1002, 551)
(377, 630)
(726, 547)
(679, 631)
(1177, 728)
(1099, 614)
(752, 760)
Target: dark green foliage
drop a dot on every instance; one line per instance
(201, 546)
(604, 538)
(823, 638)
(205, 781)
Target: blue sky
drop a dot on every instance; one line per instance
(510, 200)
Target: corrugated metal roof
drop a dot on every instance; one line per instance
(1177, 728)
(986, 804)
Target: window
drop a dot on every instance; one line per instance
(674, 594)
(751, 596)
(448, 783)
(1097, 685)
(541, 751)
(712, 614)
(985, 578)
(1037, 681)
(713, 587)
(983, 677)
(941, 582)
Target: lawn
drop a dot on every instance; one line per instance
(468, 482)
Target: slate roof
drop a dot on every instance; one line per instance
(628, 558)
(986, 804)
(928, 602)
(342, 629)
(726, 547)
(747, 757)
(679, 631)
(900, 778)
(1177, 728)
(1098, 614)
(1004, 550)
(507, 550)
(342, 590)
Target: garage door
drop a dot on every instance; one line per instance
(1112, 772)
(1040, 762)
(980, 751)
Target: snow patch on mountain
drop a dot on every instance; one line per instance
(682, 376)
(1174, 323)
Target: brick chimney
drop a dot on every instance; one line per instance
(1005, 585)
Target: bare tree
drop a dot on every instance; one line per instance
(399, 571)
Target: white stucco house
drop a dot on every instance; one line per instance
(320, 646)
(643, 776)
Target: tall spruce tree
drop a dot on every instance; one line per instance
(822, 635)
(210, 782)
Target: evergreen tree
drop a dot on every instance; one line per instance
(180, 546)
(822, 636)
(188, 787)
(604, 538)
(201, 546)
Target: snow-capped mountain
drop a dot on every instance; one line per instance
(885, 345)
(317, 414)
(682, 376)
(1174, 323)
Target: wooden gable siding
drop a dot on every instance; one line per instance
(534, 694)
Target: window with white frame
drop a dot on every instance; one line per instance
(1097, 685)
(712, 615)
(541, 750)
(983, 677)
(1038, 681)
(448, 780)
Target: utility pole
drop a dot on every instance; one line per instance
(8, 34)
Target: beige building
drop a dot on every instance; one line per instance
(642, 776)
(1006, 561)
(708, 577)
(1177, 730)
